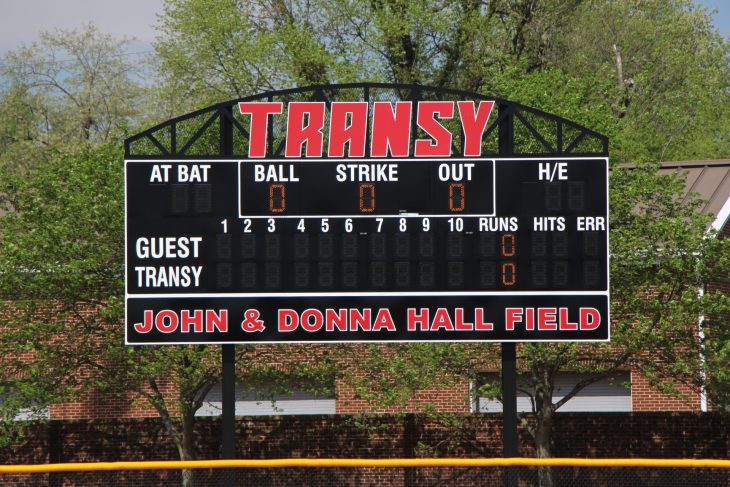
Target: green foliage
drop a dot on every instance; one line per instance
(63, 228)
(662, 70)
(219, 49)
(61, 274)
(22, 117)
(651, 75)
(69, 89)
(62, 286)
(661, 254)
(717, 354)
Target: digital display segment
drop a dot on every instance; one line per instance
(373, 250)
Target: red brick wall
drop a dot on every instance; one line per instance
(98, 405)
(453, 399)
(644, 397)
(103, 406)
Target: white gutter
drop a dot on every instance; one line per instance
(703, 368)
(722, 217)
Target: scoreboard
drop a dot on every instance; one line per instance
(335, 250)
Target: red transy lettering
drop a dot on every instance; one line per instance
(258, 129)
(474, 125)
(440, 146)
(297, 133)
(391, 129)
(341, 133)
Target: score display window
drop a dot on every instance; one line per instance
(243, 231)
(404, 254)
(365, 187)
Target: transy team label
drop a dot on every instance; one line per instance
(359, 318)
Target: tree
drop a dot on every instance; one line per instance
(219, 49)
(662, 254)
(653, 76)
(69, 89)
(658, 89)
(22, 124)
(661, 68)
(62, 245)
(70, 98)
(274, 44)
(62, 279)
(717, 355)
(175, 380)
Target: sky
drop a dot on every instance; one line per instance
(721, 18)
(22, 20)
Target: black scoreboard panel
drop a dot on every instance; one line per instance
(268, 233)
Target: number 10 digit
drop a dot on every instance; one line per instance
(456, 197)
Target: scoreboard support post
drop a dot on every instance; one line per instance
(509, 353)
(228, 413)
(228, 398)
(509, 409)
(228, 352)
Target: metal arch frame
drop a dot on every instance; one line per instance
(504, 123)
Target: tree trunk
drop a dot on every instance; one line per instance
(187, 478)
(185, 444)
(544, 429)
(180, 433)
(187, 448)
(623, 85)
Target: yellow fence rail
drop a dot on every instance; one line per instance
(367, 463)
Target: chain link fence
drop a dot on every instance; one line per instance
(380, 473)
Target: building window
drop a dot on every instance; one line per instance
(20, 409)
(253, 403)
(606, 395)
